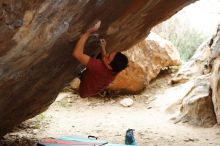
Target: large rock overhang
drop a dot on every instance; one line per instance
(37, 38)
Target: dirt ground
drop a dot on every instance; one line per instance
(108, 119)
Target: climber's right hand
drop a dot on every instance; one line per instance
(95, 27)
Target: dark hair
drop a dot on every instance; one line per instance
(119, 63)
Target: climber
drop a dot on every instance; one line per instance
(99, 73)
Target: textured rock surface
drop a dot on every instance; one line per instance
(153, 54)
(149, 57)
(201, 101)
(195, 66)
(214, 61)
(196, 105)
(129, 81)
(37, 38)
(215, 83)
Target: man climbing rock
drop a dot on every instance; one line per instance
(99, 73)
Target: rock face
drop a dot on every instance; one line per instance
(129, 81)
(153, 54)
(214, 60)
(195, 66)
(215, 82)
(37, 38)
(196, 106)
(148, 58)
(201, 101)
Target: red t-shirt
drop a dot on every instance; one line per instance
(95, 78)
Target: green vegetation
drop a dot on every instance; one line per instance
(187, 42)
(183, 37)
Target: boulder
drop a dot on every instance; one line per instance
(214, 61)
(201, 101)
(129, 81)
(195, 107)
(215, 82)
(196, 66)
(201, 61)
(37, 38)
(153, 54)
(147, 59)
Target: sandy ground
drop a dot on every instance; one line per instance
(108, 120)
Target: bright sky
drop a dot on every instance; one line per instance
(204, 15)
